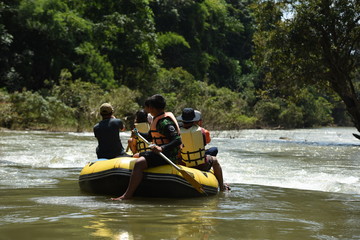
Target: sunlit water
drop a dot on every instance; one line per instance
(293, 184)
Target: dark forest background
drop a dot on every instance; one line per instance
(243, 64)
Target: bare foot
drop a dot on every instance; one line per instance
(122, 197)
(116, 199)
(225, 187)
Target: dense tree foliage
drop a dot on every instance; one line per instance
(243, 63)
(317, 43)
(217, 38)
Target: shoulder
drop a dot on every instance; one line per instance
(167, 121)
(167, 124)
(164, 120)
(100, 124)
(115, 120)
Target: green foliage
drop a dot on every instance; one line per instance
(179, 87)
(32, 106)
(54, 19)
(6, 109)
(71, 105)
(318, 45)
(95, 68)
(171, 39)
(303, 109)
(291, 117)
(268, 112)
(127, 37)
(217, 32)
(224, 109)
(221, 108)
(316, 110)
(196, 53)
(52, 31)
(75, 94)
(31, 110)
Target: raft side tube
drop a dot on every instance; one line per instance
(111, 177)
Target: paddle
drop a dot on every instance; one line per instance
(185, 174)
(356, 135)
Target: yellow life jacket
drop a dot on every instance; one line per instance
(193, 150)
(143, 127)
(158, 138)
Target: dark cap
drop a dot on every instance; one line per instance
(106, 109)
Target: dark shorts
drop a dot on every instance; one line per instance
(153, 159)
(213, 151)
(207, 165)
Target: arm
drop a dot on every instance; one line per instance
(169, 130)
(121, 124)
(206, 134)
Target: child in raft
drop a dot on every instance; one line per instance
(141, 123)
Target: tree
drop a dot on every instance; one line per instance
(124, 32)
(40, 36)
(217, 44)
(311, 42)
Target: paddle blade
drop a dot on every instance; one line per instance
(356, 135)
(192, 181)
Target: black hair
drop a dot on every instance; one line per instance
(141, 116)
(156, 101)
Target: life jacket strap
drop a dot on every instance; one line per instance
(192, 158)
(141, 146)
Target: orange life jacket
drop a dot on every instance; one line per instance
(158, 138)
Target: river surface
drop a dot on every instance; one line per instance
(285, 184)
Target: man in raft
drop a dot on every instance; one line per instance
(164, 133)
(107, 132)
(194, 138)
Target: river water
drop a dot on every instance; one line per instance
(286, 184)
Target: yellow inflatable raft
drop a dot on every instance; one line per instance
(111, 177)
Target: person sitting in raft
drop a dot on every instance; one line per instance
(193, 146)
(164, 133)
(107, 132)
(141, 123)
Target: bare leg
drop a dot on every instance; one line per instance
(132, 145)
(218, 174)
(135, 179)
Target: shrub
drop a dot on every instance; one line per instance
(316, 109)
(291, 117)
(6, 109)
(268, 112)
